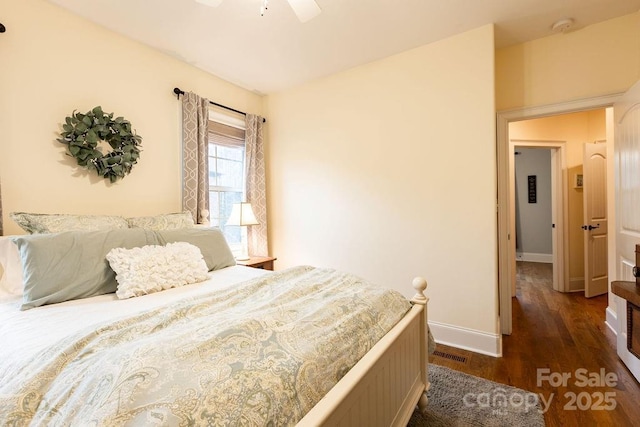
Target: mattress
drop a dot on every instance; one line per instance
(24, 333)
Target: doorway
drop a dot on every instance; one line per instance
(506, 263)
(538, 211)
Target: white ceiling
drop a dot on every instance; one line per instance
(276, 51)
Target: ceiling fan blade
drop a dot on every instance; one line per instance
(305, 9)
(212, 3)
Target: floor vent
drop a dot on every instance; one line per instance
(450, 356)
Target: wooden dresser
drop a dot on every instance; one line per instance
(628, 313)
(630, 292)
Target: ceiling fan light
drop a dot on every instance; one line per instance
(305, 9)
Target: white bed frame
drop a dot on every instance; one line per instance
(385, 386)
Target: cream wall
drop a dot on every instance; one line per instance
(54, 62)
(601, 59)
(388, 171)
(575, 129)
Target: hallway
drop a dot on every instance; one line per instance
(560, 333)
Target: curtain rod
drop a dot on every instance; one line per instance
(179, 92)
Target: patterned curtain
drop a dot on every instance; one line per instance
(256, 185)
(195, 161)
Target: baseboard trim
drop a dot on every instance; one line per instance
(534, 257)
(467, 339)
(612, 320)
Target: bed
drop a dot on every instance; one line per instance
(305, 346)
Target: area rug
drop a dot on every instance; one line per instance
(458, 399)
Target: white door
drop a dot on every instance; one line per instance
(627, 152)
(596, 281)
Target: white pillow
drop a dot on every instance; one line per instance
(11, 283)
(153, 268)
(34, 223)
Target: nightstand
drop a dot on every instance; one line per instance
(266, 263)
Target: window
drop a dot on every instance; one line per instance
(226, 179)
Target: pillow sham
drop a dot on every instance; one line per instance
(162, 222)
(72, 265)
(11, 266)
(210, 241)
(153, 268)
(56, 223)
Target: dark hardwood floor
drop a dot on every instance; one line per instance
(562, 333)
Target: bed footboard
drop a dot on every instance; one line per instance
(385, 386)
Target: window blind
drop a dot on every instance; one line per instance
(225, 135)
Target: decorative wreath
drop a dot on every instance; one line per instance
(83, 132)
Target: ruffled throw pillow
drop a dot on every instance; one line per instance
(154, 268)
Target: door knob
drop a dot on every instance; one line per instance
(590, 227)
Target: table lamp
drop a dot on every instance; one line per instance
(242, 215)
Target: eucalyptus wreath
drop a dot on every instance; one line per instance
(82, 133)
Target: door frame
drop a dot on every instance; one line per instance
(559, 209)
(503, 118)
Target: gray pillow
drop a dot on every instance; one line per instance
(71, 265)
(162, 222)
(211, 241)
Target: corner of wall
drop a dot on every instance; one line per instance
(467, 339)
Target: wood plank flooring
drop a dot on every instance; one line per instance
(561, 333)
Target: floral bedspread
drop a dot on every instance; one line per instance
(263, 353)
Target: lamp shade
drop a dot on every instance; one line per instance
(242, 214)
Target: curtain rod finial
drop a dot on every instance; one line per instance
(178, 92)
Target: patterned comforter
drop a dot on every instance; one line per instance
(263, 353)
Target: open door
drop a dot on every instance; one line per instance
(595, 219)
(627, 152)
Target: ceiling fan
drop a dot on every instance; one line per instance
(304, 9)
